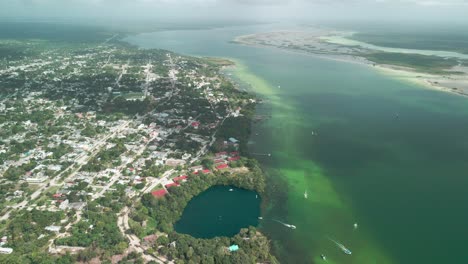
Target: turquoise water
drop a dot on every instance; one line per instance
(403, 180)
(219, 211)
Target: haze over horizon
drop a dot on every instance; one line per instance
(438, 11)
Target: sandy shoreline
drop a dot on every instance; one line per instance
(452, 83)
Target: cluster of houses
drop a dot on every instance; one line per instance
(221, 161)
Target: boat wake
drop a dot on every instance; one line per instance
(341, 246)
(286, 225)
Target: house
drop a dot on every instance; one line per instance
(64, 205)
(159, 193)
(196, 168)
(221, 154)
(233, 140)
(36, 180)
(6, 250)
(169, 185)
(233, 248)
(218, 161)
(234, 158)
(149, 240)
(195, 125)
(181, 178)
(55, 229)
(174, 162)
(77, 206)
(206, 171)
(18, 193)
(222, 167)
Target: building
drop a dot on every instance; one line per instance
(174, 184)
(195, 125)
(233, 248)
(221, 154)
(55, 229)
(159, 193)
(77, 206)
(234, 158)
(6, 250)
(174, 162)
(233, 140)
(36, 180)
(64, 205)
(149, 240)
(181, 178)
(222, 167)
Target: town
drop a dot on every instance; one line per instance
(86, 130)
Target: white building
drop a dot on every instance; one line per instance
(53, 228)
(6, 250)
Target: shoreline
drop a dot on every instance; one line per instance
(455, 84)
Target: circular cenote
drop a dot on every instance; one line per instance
(219, 211)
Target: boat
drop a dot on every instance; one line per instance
(279, 86)
(323, 257)
(305, 194)
(260, 218)
(231, 190)
(286, 225)
(355, 226)
(341, 246)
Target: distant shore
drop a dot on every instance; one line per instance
(456, 82)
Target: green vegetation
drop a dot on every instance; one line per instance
(27, 235)
(99, 232)
(167, 210)
(424, 40)
(421, 63)
(105, 158)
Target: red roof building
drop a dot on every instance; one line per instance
(180, 178)
(234, 158)
(217, 161)
(159, 193)
(195, 124)
(57, 195)
(222, 167)
(174, 184)
(206, 171)
(235, 153)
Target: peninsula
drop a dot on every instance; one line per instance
(441, 70)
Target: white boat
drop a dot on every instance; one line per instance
(231, 190)
(305, 194)
(286, 225)
(342, 247)
(260, 218)
(355, 226)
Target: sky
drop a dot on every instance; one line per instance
(263, 10)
